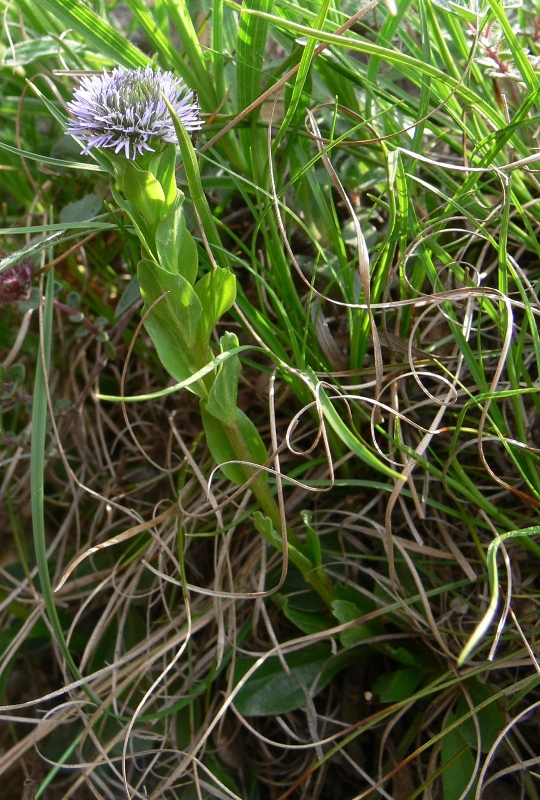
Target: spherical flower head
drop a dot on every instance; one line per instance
(125, 110)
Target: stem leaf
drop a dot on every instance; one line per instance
(223, 395)
(173, 322)
(223, 451)
(176, 248)
(217, 293)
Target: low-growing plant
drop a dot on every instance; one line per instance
(268, 397)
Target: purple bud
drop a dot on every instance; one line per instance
(15, 282)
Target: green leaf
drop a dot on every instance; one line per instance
(100, 36)
(252, 438)
(82, 210)
(162, 165)
(224, 392)
(180, 308)
(131, 294)
(396, 686)
(345, 611)
(173, 322)
(349, 439)
(266, 528)
(222, 450)
(176, 248)
(198, 198)
(458, 763)
(400, 654)
(17, 374)
(308, 619)
(146, 238)
(313, 543)
(271, 690)
(491, 719)
(217, 293)
(143, 191)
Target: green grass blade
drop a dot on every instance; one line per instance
(53, 162)
(493, 572)
(171, 58)
(181, 20)
(96, 32)
(301, 75)
(218, 46)
(519, 54)
(252, 35)
(198, 197)
(37, 461)
(408, 65)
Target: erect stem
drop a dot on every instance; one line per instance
(313, 575)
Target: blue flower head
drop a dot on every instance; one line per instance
(125, 110)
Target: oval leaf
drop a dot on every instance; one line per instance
(217, 293)
(491, 719)
(82, 210)
(175, 246)
(224, 391)
(271, 690)
(457, 763)
(222, 450)
(173, 322)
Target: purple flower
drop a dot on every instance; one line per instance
(15, 282)
(126, 110)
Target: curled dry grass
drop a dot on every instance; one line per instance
(155, 710)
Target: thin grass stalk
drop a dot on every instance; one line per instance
(37, 465)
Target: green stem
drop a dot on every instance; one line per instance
(315, 576)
